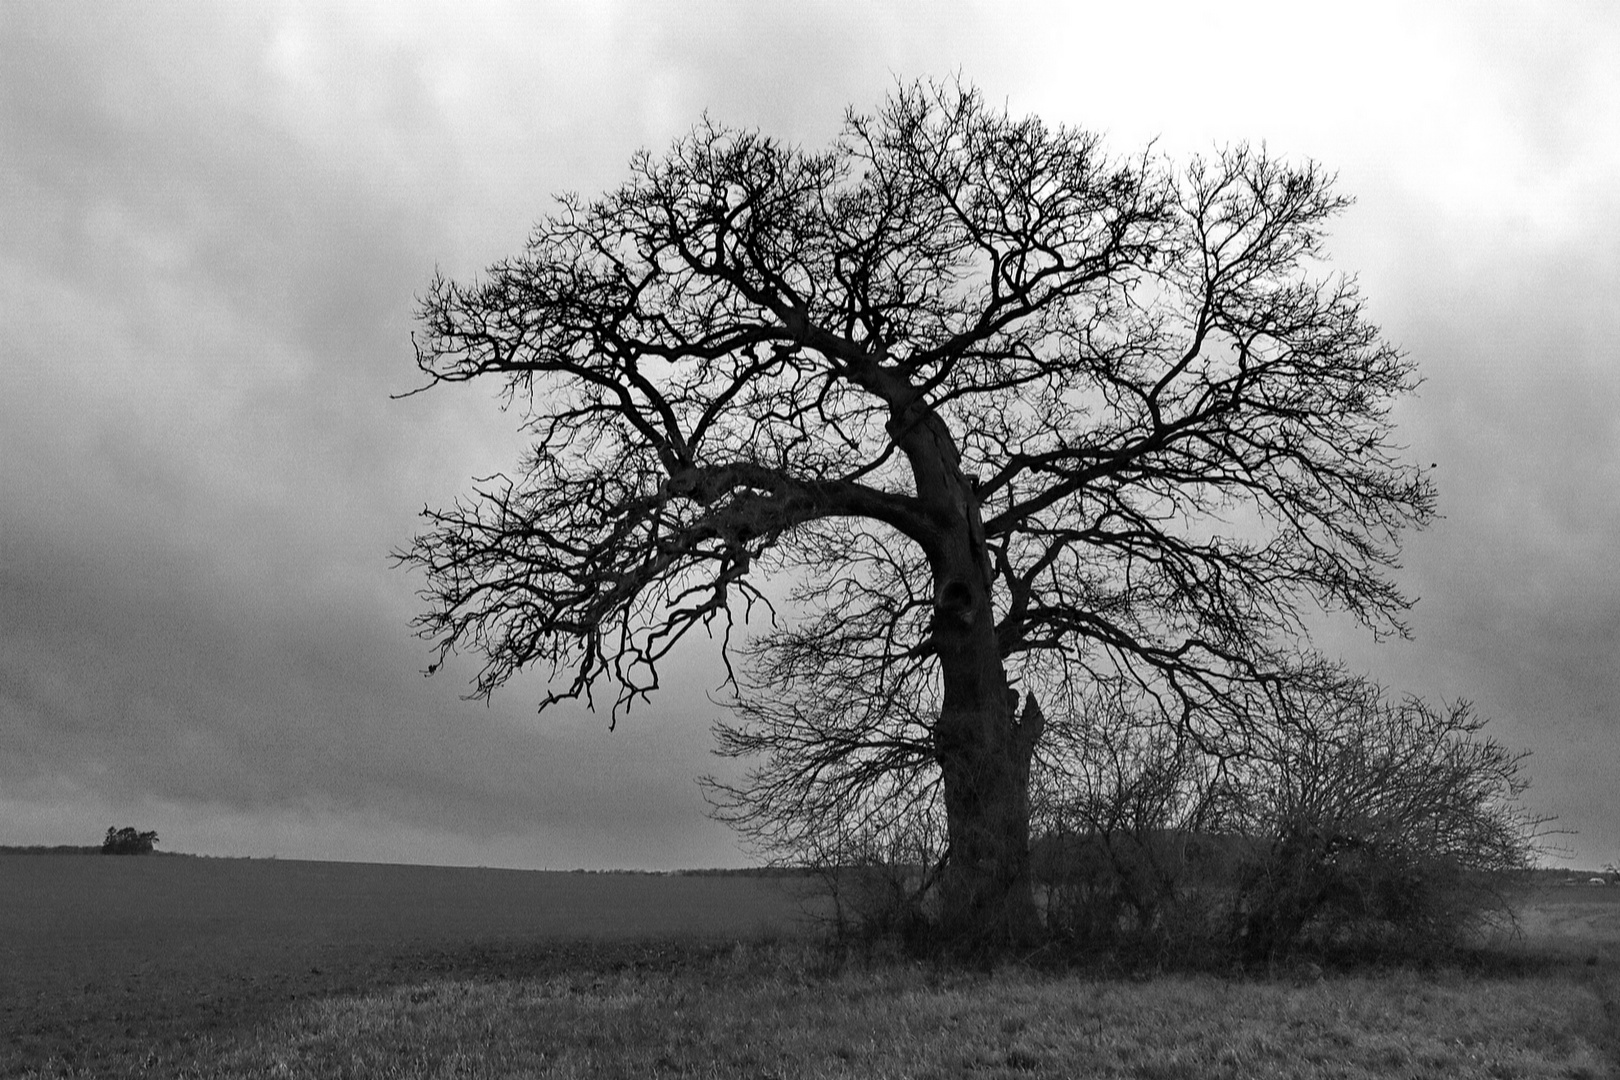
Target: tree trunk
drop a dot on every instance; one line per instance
(982, 745)
(984, 757)
(984, 748)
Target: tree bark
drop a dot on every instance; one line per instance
(982, 744)
(987, 885)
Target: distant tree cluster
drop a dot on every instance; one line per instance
(128, 841)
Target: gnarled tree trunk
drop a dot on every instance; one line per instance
(982, 744)
(984, 754)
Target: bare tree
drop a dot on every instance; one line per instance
(1014, 413)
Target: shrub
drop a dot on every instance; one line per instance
(1322, 816)
(1341, 822)
(1380, 825)
(881, 880)
(1130, 850)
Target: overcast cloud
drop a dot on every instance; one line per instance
(214, 219)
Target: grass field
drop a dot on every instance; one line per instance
(201, 967)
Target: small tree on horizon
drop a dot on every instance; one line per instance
(1014, 415)
(128, 841)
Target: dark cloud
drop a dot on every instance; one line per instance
(204, 472)
(214, 222)
(143, 673)
(1519, 603)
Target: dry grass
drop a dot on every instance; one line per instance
(753, 1015)
(314, 980)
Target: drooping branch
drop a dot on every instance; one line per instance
(599, 572)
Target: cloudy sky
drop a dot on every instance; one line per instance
(214, 220)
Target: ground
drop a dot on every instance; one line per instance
(248, 968)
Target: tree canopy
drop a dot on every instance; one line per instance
(1015, 415)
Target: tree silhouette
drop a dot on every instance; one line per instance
(1015, 416)
(128, 841)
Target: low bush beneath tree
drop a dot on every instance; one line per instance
(1358, 828)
